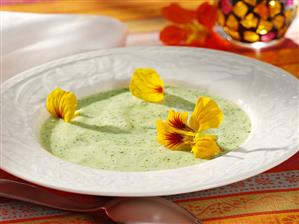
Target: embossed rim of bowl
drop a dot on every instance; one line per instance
(267, 93)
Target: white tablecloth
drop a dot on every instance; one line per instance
(28, 40)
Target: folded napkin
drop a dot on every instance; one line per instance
(30, 39)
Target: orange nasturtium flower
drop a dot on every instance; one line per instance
(177, 133)
(62, 104)
(147, 85)
(192, 27)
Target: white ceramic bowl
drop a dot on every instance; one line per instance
(268, 94)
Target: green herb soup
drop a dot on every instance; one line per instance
(116, 131)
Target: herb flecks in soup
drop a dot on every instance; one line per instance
(116, 131)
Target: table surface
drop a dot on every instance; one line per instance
(144, 16)
(269, 198)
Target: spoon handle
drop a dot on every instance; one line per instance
(50, 198)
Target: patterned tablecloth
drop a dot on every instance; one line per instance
(269, 198)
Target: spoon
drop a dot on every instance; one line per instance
(120, 210)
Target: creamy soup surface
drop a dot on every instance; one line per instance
(116, 131)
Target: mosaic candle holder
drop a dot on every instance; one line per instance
(250, 21)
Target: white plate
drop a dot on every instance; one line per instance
(268, 94)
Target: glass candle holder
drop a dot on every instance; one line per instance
(256, 21)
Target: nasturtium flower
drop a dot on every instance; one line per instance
(62, 104)
(178, 120)
(147, 85)
(206, 115)
(177, 133)
(192, 27)
(171, 138)
(205, 147)
(177, 14)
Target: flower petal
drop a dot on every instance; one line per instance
(178, 120)
(62, 104)
(205, 147)
(69, 105)
(146, 84)
(174, 35)
(206, 115)
(215, 41)
(177, 14)
(170, 138)
(206, 14)
(52, 102)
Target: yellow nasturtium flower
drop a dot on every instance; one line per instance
(205, 147)
(147, 85)
(62, 104)
(177, 134)
(206, 115)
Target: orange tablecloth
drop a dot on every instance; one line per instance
(268, 198)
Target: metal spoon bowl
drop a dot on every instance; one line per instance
(120, 210)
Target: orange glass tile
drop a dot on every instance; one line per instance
(251, 36)
(275, 7)
(240, 9)
(278, 21)
(221, 18)
(232, 22)
(264, 27)
(251, 2)
(282, 31)
(289, 15)
(262, 10)
(234, 34)
(250, 21)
